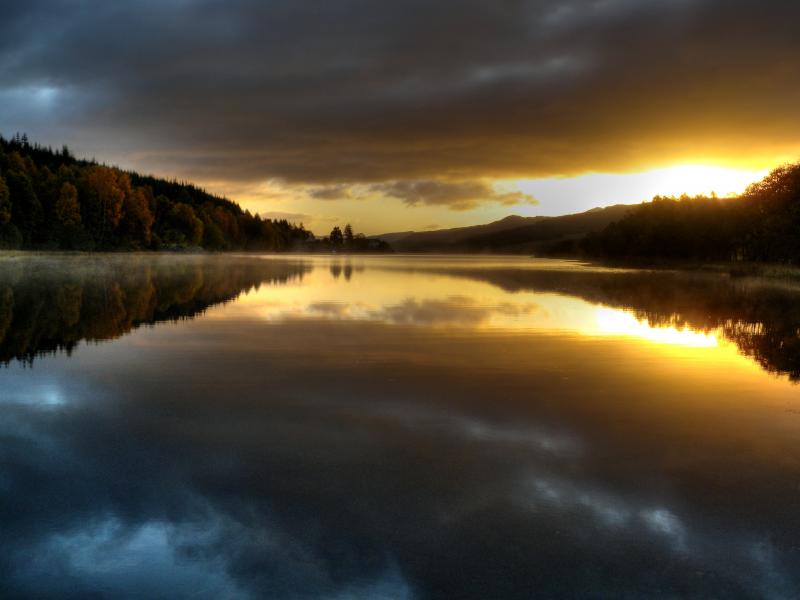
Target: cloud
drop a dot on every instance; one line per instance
(359, 91)
(331, 192)
(462, 195)
(456, 195)
(288, 216)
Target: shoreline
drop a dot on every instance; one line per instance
(738, 269)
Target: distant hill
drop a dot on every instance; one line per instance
(513, 234)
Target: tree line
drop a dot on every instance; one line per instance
(50, 200)
(763, 224)
(345, 240)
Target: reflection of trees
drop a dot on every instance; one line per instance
(762, 317)
(338, 269)
(51, 303)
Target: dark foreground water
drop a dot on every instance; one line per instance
(395, 428)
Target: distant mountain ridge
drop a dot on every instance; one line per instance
(512, 234)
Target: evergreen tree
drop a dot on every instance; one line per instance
(26, 211)
(5, 202)
(336, 238)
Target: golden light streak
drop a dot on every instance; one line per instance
(617, 322)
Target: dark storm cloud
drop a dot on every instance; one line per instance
(461, 195)
(331, 192)
(456, 195)
(350, 91)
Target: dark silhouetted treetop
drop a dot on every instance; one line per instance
(336, 238)
(763, 224)
(348, 242)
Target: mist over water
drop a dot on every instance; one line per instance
(394, 427)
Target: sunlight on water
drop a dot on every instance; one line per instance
(330, 427)
(617, 322)
(446, 301)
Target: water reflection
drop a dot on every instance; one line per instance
(345, 269)
(50, 303)
(761, 316)
(413, 432)
(620, 322)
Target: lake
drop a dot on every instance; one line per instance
(395, 427)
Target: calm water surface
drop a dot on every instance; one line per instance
(395, 428)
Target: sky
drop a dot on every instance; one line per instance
(412, 114)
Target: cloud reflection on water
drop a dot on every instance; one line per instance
(464, 441)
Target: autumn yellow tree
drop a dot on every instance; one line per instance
(68, 210)
(107, 189)
(137, 217)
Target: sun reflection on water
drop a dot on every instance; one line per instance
(618, 322)
(446, 302)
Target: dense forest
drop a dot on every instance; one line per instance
(50, 200)
(763, 224)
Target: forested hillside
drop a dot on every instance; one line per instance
(51, 200)
(763, 224)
